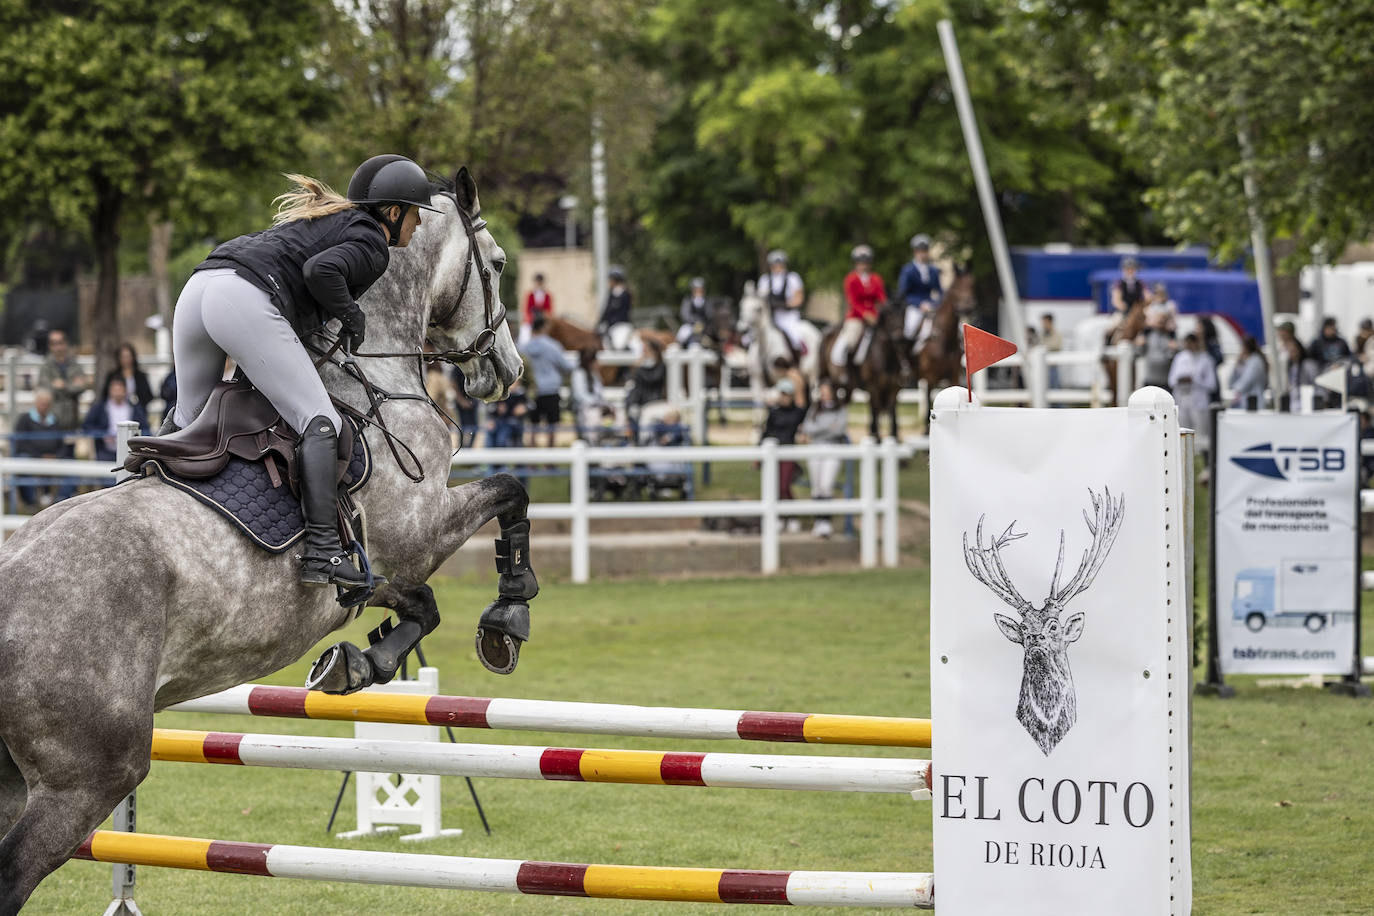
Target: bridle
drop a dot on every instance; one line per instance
(481, 345)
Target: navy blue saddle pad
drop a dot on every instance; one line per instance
(243, 493)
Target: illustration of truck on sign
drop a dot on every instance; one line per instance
(1308, 592)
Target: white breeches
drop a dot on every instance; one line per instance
(851, 332)
(789, 321)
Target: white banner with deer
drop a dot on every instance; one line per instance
(1057, 551)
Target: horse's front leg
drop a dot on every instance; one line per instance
(505, 623)
(345, 668)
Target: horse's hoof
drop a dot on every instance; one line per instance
(498, 652)
(342, 669)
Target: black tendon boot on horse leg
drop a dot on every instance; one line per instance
(505, 624)
(345, 668)
(323, 558)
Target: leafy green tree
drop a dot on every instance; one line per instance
(110, 109)
(1295, 75)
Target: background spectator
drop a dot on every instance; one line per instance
(467, 409)
(1302, 370)
(827, 423)
(168, 392)
(1160, 311)
(785, 417)
(588, 400)
(648, 382)
(549, 362)
(1211, 343)
(135, 379)
(1193, 380)
(103, 419)
(506, 419)
(63, 377)
(1250, 376)
(36, 435)
(1330, 347)
(1364, 334)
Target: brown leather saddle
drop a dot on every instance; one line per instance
(237, 421)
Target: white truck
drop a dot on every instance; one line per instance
(1314, 593)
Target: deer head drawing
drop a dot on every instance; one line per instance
(1048, 706)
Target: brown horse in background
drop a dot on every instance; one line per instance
(879, 374)
(573, 336)
(1131, 327)
(941, 360)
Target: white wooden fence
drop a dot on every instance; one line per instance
(876, 505)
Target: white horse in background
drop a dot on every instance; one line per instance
(768, 344)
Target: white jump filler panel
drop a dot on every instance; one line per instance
(388, 800)
(1060, 659)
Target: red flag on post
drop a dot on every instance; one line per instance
(981, 350)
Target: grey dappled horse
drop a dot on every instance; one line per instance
(125, 601)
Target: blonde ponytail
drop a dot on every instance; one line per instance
(310, 198)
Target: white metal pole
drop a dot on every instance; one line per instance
(672, 367)
(696, 392)
(768, 494)
(891, 545)
(868, 497)
(1013, 325)
(601, 237)
(123, 433)
(1259, 241)
(1037, 376)
(581, 528)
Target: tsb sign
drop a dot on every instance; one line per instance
(1268, 460)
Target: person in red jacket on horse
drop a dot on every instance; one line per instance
(865, 293)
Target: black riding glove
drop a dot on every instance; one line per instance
(354, 328)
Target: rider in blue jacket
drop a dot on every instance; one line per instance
(918, 288)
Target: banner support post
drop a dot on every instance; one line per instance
(1213, 685)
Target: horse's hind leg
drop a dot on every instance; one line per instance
(74, 785)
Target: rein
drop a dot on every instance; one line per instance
(481, 346)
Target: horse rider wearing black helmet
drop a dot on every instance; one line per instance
(614, 325)
(256, 296)
(693, 313)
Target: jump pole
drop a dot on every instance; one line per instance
(514, 876)
(735, 771)
(563, 716)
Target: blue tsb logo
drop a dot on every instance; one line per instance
(1279, 462)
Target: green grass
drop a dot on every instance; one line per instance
(795, 643)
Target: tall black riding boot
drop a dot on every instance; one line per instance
(323, 560)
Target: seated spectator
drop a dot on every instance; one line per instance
(784, 419)
(1330, 348)
(1250, 377)
(648, 383)
(506, 420)
(827, 423)
(103, 419)
(548, 360)
(135, 379)
(36, 435)
(668, 430)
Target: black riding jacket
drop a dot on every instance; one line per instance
(313, 269)
(616, 310)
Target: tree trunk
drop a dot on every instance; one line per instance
(159, 256)
(103, 334)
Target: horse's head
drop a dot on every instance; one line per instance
(751, 308)
(454, 266)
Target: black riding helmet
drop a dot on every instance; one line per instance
(385, 180)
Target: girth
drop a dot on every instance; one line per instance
(237, 421)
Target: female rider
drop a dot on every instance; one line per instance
(256, 296)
